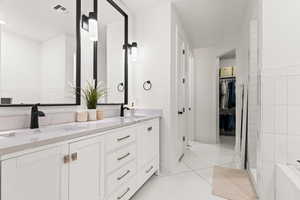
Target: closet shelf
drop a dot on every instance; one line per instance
(227, 133)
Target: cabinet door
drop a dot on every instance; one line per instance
(148, 142)
(85, 170)
(36, 176)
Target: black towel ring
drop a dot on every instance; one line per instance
(120, 87)
(147, 85)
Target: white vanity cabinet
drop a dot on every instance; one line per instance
(36, 176)
(106, 166)
(67, 172)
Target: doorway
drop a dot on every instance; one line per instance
(227, 97)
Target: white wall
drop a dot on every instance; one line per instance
(205, 76)
(228, 62)
(153, 37)
(156, 37)
(87, 70)
(42, 68)
(20, 64)
(54, 71)
(115, 61)
(102, 57)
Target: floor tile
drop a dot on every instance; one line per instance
(178, 187)
(179, 168)
(206, 174)
(192, 178)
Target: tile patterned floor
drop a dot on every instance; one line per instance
(192, 179)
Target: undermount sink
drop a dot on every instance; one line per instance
(134, 117)
(12, 134)
(7, 134)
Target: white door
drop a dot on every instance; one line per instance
(85, 170)
(181, 96)
(190, 89)
(35, 176)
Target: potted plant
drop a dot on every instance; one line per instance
(91, 94)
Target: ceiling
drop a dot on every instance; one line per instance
(36, 19)
(207, 22)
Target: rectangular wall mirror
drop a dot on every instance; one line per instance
(40, 52)
(112, 58)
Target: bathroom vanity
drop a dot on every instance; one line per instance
(109, 159)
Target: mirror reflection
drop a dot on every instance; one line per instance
(38, 51)
(110, 70)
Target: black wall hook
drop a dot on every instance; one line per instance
(120, 87)
(147, 85)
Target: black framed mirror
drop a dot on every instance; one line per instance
(40, 53)
(111, 52)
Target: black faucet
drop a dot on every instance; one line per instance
(122, 110)
(35, 114)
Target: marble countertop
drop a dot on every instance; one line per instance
(19, 140)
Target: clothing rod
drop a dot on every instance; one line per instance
(228, 78)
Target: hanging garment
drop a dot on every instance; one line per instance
(222, 122)
(231, 94)
(224, 94)
(231, 123)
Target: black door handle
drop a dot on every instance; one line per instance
(180, 113)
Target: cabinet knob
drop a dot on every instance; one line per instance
(149, 128)
(66, 159)
(74, 156)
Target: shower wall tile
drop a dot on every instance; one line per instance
(293, 120)
(281, 149)
(268, 143)
(268, 91)
(281, 90)
(293, 90)
(268, 118)
(280, 124)
(281, 119)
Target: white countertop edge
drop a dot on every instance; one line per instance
(33, 141)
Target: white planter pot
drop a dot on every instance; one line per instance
(92, 114)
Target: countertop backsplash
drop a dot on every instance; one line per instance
(11, 119)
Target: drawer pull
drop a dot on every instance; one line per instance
(66, 159)
(120, 197)
(125, 156)
(121, 177)
(149, 170)
(123, 138)
(149, 129)
(74, 156)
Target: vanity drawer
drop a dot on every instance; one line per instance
(126, 191)
(118, 158)
(120, 177)
(147, 171)
(119, 139)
